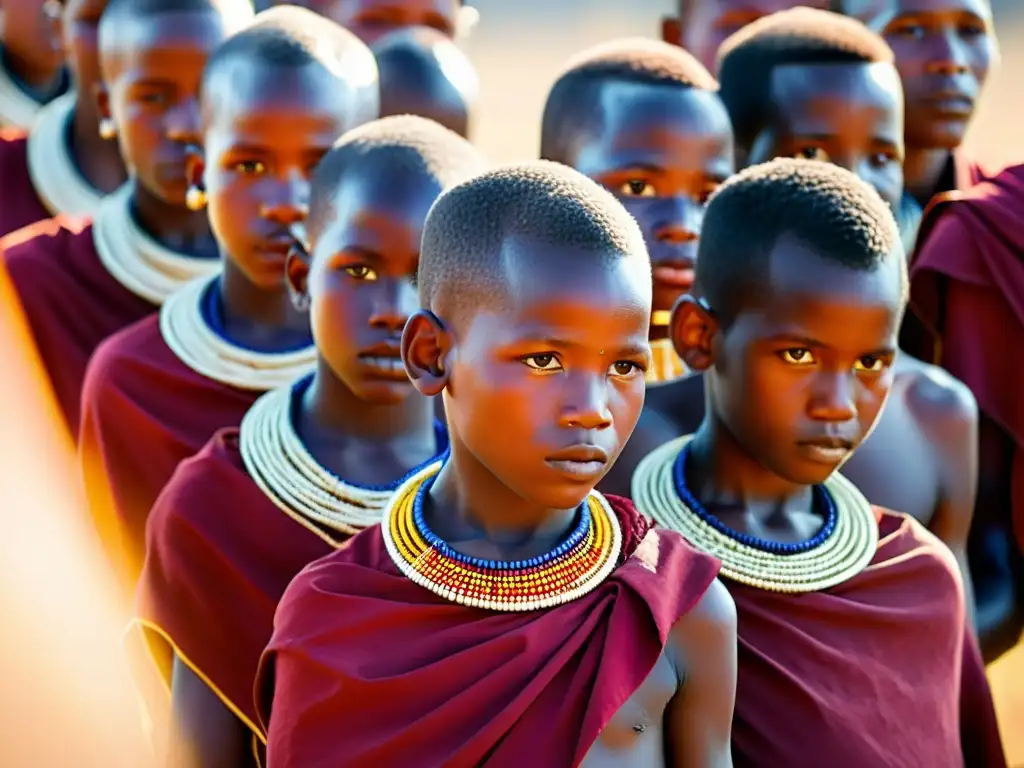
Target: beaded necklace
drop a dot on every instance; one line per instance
(287, 473)
(55, 177)
(190, 325)
(17, 108)
(572, 569)
(137, 261)
(840, 550)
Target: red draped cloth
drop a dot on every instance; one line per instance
(367, 668)
(19, 203)
(219, 557)
(143, 412)
(878, 671)
(71, 304)
(967, 289)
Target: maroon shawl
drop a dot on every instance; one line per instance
(219, 557)
(367, 668)
(19, 203)
(878, 671)
(71, 304)
(967, 289)
(143, 412)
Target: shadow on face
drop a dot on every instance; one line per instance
(850, 115)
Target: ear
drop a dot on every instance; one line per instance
(426, 344)
(195, 166)
(101, 96)
(693, 328)
(296, 275)
(671, 30)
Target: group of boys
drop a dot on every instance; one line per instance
(307, 341)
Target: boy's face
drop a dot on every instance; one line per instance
(362, 282)
(944, 50)
(703, 25)
(153, 74)
(662, 151)
(800, 377)
(850, 115)
(546, 388)
(370, 19)
(81, 42)
(266, 130)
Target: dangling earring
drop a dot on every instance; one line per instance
(195, 198)
(108, 129)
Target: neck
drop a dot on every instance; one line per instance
(720, 473)
(922, 172)
(262, 318)
(469, 502)
(97, 159)
(42, 83)
(173, 226)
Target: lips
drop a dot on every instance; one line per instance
(951, 103)
(384, 361)
(826, 450)
(673, 276)
(580, 462)
(279, 243)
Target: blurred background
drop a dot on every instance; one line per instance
(64, 695)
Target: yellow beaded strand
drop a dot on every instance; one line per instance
(843, 555)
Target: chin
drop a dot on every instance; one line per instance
(383, 392)
(558, 495)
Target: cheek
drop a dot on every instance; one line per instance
(333, 318)
(872, 397)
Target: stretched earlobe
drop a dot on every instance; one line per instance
(296, 276)
(693, 328)
(426, 345)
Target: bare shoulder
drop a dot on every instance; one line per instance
(704, 631)
(940, 403)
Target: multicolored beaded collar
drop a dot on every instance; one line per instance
(575, 567)
(840, 550)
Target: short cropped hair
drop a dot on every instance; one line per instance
(747, 60)
(294, 37)
(573, 105)
(240, 11)
(825, 207)
(404, 144)
(461, 261)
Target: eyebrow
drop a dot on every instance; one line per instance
(809, 341)
(637, 350)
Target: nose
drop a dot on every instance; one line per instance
(288, 202)
(833, 397)
(586, 403)
(183, 123)
(950, 58)
(679, 221)
(393, 301)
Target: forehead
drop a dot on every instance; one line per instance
(656, 125)
(822, 94)
(159, 33)
(369, 196)
(883, 11)
(744, 8)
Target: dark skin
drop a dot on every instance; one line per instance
(944, 51)
(32, 46)
(662, 151)
(561, 356)
(152, 72)
(97, 159)
(360, 417)
(265, 130)
(371, 19)
(701, 26)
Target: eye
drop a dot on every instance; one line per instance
(797, 356)
(870, 364)
(546, 362)
(624, 369)
(250, 167)
(972, 30)
(812, 153)
(636, 188)
(361, 272)
(909, 31)
(882, 159)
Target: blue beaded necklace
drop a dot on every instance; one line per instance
(440, 438)
(435, 541)
(211, 308)
(821, 499)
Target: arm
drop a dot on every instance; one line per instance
(205, 733)
(698, 722)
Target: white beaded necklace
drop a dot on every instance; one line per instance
(841, 556)
(53, 172)
(17, 108)
(137, 261)
(287, 473)
(198, 346)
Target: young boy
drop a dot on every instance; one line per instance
(79, 287)
(32, 69)
(274, 99)
(239, 520)
(565, 637)
(795, 322)
(422, 72)
(66, 162)
(700, 26)
(644, 120)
